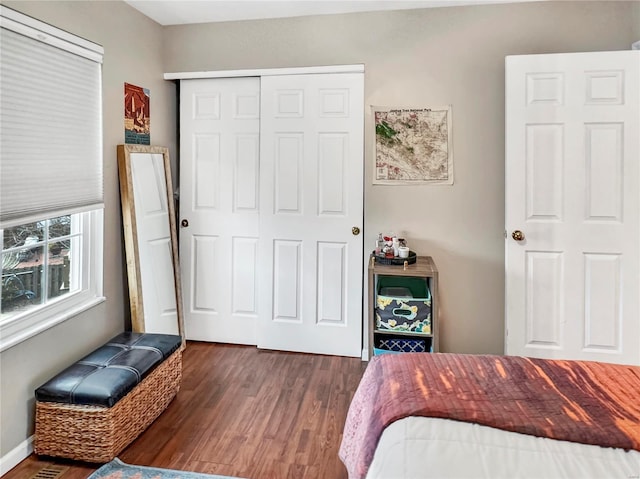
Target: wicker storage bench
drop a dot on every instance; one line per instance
(95, 408)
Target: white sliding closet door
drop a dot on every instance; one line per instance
(219, 166)
(271, 207)
(311, 175)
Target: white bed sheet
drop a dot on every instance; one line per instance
(420, 448)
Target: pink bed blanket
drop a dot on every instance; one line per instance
(578, 401)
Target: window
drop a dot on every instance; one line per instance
(51, 270)
(40, 263)
(51, 190)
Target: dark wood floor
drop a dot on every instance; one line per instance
(247, 413)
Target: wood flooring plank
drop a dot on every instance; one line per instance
(244, 412)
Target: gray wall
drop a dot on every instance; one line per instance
(421, 58)
(635, 18)
(133, 54)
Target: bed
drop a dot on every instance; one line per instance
(417, 416)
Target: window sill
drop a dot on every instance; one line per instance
(15, 332)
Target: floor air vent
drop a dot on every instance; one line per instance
(50, 472)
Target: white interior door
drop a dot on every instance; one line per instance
(219, 160)
(154, 243)
(311, 176)
(572, 189)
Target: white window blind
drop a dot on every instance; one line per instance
(50, 121)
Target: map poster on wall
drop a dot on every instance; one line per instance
(137, 122)
(413, 146)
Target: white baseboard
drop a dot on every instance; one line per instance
(16, 456)
(365, 354)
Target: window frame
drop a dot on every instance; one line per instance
(21, 327)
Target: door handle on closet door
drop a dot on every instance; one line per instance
(517, 235)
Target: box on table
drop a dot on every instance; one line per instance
(403, 304)
(385, 344)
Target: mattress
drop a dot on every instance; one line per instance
(423, 447)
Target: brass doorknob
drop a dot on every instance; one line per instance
(517, 235)
(184, 223)
(355, 230)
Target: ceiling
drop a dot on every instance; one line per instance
(180, 12)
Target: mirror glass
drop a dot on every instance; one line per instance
(150, 239)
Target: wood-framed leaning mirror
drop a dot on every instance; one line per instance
(150, 237)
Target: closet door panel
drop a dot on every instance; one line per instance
(219, 186)
(311, 161)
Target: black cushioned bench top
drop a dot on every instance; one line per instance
(107, 374)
